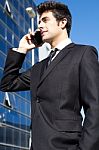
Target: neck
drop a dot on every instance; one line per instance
(57, 40)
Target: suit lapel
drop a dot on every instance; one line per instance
(59, 57)
(43, 67)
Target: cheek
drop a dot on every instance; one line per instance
(53, 29)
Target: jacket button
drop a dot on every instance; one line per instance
(37, 100)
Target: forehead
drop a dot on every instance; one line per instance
(46, 14)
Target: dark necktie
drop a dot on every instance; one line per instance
(52, 54)
(49, 59)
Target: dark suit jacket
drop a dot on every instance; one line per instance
(58, 93)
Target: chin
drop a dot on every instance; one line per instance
(45, 39)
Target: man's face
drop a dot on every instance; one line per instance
(49, 27)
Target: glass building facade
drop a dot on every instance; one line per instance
(15, 107)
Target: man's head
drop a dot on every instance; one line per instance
(59, 11)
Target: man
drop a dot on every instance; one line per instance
(59, 87)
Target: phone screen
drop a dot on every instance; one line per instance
(37, 38)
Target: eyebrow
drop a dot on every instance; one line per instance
(43, 19)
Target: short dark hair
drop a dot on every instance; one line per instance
(59, 10)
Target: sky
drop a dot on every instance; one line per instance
(85, 21)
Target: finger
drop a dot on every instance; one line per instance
(29, 30)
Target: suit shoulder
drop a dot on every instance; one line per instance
(81, 51)
(85, 48)
(39, 63)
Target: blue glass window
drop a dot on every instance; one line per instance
(2, 58)
(2, 14)
(9, 22)
(16, 29)
(28, 108)
(2, 29)
(23, 122)
(15, 4)
(28, 124)
(16, 42)
(15, 15)
(1, 73)
(21, 23)
(16, 119)
(2, 114)
(3, 147)
(22, 106)
(9, 36)
(9, 135)
(2, 134)
(2, 44)
(28, 96)
(24, 140)
(21, 10)
(2, 2)
(36, 55)
(16, 137)
(8, 47)
(29, 57)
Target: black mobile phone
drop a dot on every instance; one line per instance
(37, 38)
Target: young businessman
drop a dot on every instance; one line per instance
(59, 89)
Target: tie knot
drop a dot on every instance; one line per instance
(52, 53)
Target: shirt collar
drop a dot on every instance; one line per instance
(63, 43)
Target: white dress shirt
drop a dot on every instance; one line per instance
(61, 45)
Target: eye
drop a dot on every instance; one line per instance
(45, 19)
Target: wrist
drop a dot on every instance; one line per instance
(22, 50)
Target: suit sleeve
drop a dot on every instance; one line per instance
(12, 79)
(89, 93)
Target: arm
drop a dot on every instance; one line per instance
(89, 89)
(13, 80)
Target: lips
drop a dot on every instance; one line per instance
(42, 32)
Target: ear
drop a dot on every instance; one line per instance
(63, 23)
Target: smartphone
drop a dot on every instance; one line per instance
(37, 38)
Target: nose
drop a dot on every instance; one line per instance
(41, 24)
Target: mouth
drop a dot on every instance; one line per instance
(43, 32)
